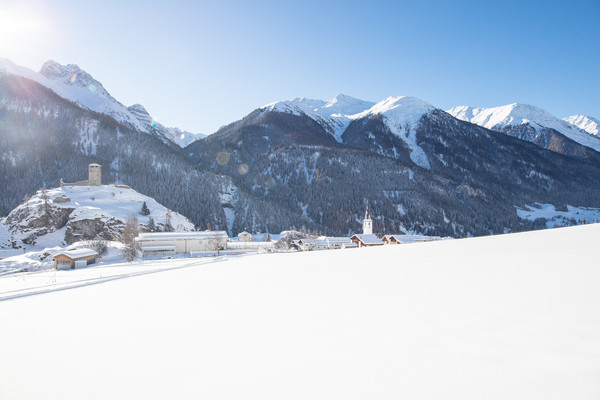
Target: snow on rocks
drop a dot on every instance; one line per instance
(71, 213)
(589, 124)
(512, 115)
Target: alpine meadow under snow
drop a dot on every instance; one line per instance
(502, 317)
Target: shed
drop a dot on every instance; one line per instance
(74, 258)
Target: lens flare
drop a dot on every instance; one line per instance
(92, 88)
(153, 123)
(243, 169)
(182, 136)
(73, 78)
(223, 158)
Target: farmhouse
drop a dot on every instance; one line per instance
(165, 243)
(75, 258)
(366, 240)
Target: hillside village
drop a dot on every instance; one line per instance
(98, 215)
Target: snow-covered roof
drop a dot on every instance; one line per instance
(159, 247)
(77, 253)
(368, 238)
(181, 235)
(412, 238)
(244, 234)
(314, 242)
(95, 165)
(338, 240)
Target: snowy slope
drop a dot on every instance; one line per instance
(504, 317)
(589, 124)
(512, 115)
(402, 115)
(76, 85)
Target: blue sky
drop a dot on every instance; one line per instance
(198, 65)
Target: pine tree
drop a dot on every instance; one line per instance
(151, 227)
(145, 210)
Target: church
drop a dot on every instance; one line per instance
(367, 238)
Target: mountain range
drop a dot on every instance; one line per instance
(303, 162)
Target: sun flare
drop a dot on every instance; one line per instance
(22, 29)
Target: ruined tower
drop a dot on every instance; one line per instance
(95, 174)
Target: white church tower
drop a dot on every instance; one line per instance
(367, 223)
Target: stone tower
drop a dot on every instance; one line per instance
(95, 175)
(367, 222)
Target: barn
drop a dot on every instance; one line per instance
(165, 243)
(74, 258)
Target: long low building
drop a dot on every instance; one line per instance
(165, 243)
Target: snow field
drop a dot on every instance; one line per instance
(503, 317)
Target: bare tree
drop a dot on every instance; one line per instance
(130, 232)
(214, 243)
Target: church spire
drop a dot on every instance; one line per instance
(367, 222)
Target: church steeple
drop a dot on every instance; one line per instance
(367, 222)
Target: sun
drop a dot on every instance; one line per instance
(23, 28)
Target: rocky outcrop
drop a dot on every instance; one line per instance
(90, 229)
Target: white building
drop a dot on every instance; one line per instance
(339, 242)
(367, 222)
(165, 243)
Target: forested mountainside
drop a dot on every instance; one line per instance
(441, 176)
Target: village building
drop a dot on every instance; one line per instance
(74, 258)
(245, 237)
(403, 239)
(392, 239)
(366, 240)
(251, 246)
(94, 177)
(339, 243)
(167, 243)
(312, 244)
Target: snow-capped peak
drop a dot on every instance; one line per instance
(513, 115)
(589, 124)
(72, 75)
(498, 118)
(344, 105)
(409, 109)
(339, 106)
(76, 85)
